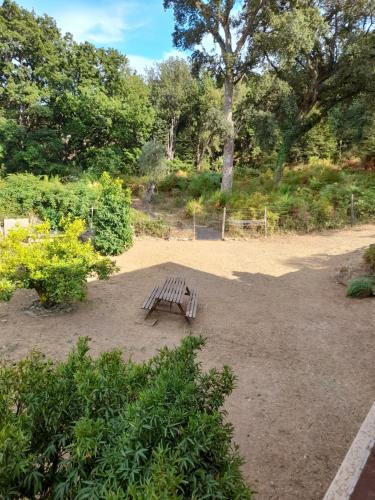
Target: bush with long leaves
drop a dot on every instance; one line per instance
(109, 429)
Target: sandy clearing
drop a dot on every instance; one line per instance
(303, 353)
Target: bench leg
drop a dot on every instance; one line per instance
(183, 313)
(152, 308)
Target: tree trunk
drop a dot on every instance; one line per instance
(227, 172)
(171, 139)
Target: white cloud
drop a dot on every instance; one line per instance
(105, 24)
(140, 63)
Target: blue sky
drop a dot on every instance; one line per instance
(141, 29)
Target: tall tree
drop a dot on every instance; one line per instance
(171, 88)
(325, 51)
(232, 25)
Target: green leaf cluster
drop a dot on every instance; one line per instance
(113, 231)
(56, 266)
(105, 428)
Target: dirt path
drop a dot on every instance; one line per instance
(304, 353)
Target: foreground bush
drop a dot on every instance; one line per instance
(57, 267)
(113, 232)
(111, 429)
(360, 287)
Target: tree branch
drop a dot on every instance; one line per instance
(248, 28)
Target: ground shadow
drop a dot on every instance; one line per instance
(303, 354)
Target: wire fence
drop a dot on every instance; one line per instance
(246, 223)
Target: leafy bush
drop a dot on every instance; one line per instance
(105, 428)
(177, 181)
(370, 256)
(113, 232)
(49, 199)
(57, 267)
(360, 287)
(144, 225)
(205, 182)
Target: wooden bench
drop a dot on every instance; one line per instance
(191, 309)
(171, 293)
(150, 301)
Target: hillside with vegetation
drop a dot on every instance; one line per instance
(300, 128)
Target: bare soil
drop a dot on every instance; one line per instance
(303, 352)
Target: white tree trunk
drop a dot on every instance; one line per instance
(227, 172)
(171, 139)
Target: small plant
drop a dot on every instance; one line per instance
(360, 287)
(194, 207)
(57, 267)
(370, 256)
(144, 225)
(113, 232)
(106, 428)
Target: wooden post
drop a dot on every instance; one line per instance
(223, 223)
(352, 213)
(194, 224)
(265, 222)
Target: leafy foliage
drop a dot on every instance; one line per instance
(113, 232)
(360, 287)
(105, 428)
(152, 161)
(49, 199)
(66, 106)
(370, 256)
(57, 267)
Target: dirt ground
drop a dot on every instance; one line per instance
(304, 354)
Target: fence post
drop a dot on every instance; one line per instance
(223, 223)
(352, 214)
(265, 222)
(194, 224)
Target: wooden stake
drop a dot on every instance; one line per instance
(223, 223)
(265, 222)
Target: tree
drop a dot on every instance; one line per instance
(316, 47)
(206, 122)
(57, 267)
(66, 106)
(233, 29)
(171, 88)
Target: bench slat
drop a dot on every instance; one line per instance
(191, 310)
(149, 302)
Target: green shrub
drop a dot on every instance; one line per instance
(109, 429)
(177, 181)
(370, 256)
(57, 267)
(194, 207)
(360, 287)
(203, 183)
(49, 199)
(113, 232)
(145, 225)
